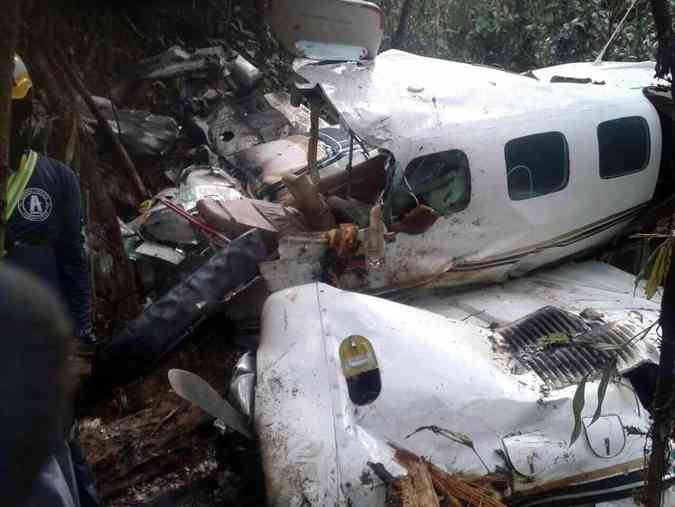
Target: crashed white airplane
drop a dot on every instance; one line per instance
(465, 174)
(476, 174)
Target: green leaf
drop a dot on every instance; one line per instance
(460, 438)
(607, 374)
(553, 339)
(455, 436)
(578, 407)
(646, 269)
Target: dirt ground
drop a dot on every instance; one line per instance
(147, 446)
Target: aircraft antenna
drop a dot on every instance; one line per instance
(598, 60)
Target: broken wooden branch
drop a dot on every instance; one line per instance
(166, 419)
(426, 485)
(420, 479)
(470, 493)
(661, 431)
(127, 163)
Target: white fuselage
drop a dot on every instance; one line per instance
(413, 107)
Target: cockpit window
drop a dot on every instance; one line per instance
(536, 165)
(441, 181)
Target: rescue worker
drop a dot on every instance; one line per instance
(44, 238)
(45, 229)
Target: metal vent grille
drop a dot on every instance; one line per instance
(560, 363)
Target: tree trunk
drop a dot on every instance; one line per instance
(662, 410)
(114, 287)
(9, 33)
(403, 19)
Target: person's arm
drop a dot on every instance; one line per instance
(72, 257)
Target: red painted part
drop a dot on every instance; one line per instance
(196, 222)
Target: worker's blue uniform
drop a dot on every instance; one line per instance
(45, 236)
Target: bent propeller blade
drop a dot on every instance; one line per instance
(198, 391)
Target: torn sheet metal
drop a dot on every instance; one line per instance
(141, 132)
(242, 384)
(158, 251)
(162, 326)
(176, 61)
(163, 225)
(635, 75)
(206, 182)
(238, 126)
(298, 117)
(317, 438)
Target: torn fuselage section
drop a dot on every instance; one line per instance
(465, 180)
(467, 398)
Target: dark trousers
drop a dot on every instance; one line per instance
(86, 486)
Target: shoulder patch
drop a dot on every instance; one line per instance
(35, 205)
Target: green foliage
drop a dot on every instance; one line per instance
(655, 271)
(577, 407)
(524, 34)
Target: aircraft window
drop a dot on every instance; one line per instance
(624, 146)
(440, 180)
(536, 165)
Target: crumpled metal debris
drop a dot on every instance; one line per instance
(163, 225)
(176, 61)
(158, 251)
(242, 384)
(206, 182)
(141, 132)
(164, 324)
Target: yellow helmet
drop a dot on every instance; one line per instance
(21, 83)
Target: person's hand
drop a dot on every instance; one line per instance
(83, 350)
(88, 337)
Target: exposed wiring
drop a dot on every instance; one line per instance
(407, 184)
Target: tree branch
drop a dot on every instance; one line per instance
(661, 411)
(403, 20)
(127, 163)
